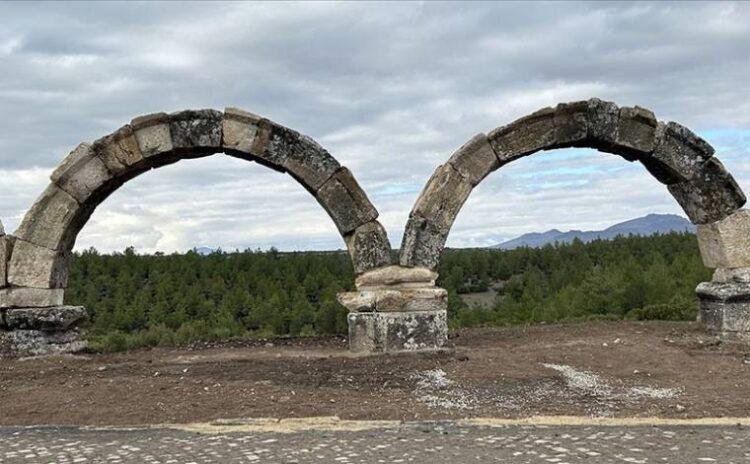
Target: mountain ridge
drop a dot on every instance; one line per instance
(644, 225)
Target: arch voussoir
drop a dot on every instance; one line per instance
(345, 201)
(368, 247)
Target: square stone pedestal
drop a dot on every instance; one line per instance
(391, 332)
(40, 331)
(725, 307)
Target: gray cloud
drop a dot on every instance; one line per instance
(391, 89)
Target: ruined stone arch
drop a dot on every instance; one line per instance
(34, 260)
(673, 154)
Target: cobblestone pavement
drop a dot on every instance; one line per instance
(415, 442)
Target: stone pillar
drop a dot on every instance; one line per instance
(397, 309)
(38, 331)
(725, 301)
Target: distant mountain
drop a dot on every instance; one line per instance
(646, 225)
(204, 250)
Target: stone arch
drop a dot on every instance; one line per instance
(34, 260)
(673, 154)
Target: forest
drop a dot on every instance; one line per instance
(139, 300)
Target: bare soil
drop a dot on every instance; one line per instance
(613, 369)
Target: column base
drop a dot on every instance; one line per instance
(725, 308)
(394, 332)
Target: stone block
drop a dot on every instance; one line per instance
(397, 332)
(442, 197)
(37, 342)
(346, 202)
(636, 133)
(153, 134)
(475, 159)
(571, 124)
(368, 247)
(397, 276)
(20, 297)
(55, 318)
(6, 247)
(297, 154)
(2, 229)
(524, 136)
(679, 154)
(726, 243)
(729, 275)
(119, 151)
(240, 129)
(603, 118)
(422, 244)
(81, 173)
(196, 133)
(394, 299)
(725, 307)
(709, 196)
(38, 267)
(48, 221)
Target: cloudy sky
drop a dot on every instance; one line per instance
(390, 89)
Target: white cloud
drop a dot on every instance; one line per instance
(391, 89)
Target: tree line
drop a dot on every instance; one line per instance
(139, 300)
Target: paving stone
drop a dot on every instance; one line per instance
(81, 173)
(346, 202)
(726, 243)
(38, 267)
(368, 247)
(710, 196)
(475, 159)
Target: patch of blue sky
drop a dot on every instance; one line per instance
(729, 141)
(397, 189)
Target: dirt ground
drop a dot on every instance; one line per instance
(608, 369)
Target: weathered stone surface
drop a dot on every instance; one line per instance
(725, 307)
(475, 159)
(2, 229)
(729, 275)
(196, 133)
(297, 154)
(442, 197)
(636, 132)
(37, 342)
(726, 243)
(571, 124)
(346, 202)
(240, 129)
(709, 196)
(153, 134)
(397, 331)
(603, 118)
(397, 276)
(422, 244)
(389, 299)
(524, 136)
(6, 247)
(38, 267)
(717, 291)
(81, 173)
(368, 247)
(20, 297)
(679, 154)
(119, 151)
(55, 318)
(46, 223)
